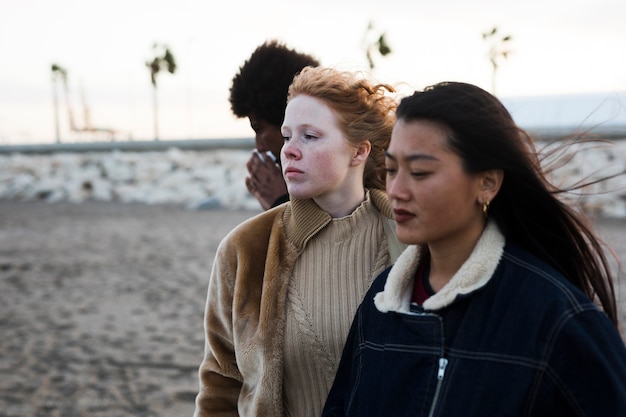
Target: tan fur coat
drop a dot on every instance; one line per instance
(242, 370)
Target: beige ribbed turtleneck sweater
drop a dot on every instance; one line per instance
(329, 281)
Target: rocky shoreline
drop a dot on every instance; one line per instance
(214, 178)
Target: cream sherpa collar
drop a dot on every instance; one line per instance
(473, 274)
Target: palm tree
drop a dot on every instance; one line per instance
(497, 49)
(58, 72)
(163, 60)
(379, 45)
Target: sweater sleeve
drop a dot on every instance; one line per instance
(220, 379)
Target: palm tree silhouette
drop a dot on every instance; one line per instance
(58, 73)
(378, 46)
(497, 49)
(163, 60)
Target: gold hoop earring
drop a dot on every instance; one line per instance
(486, 209)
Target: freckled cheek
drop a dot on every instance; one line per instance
(323, 165)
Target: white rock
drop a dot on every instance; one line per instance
(209, 179)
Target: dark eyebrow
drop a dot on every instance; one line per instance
(413, 157)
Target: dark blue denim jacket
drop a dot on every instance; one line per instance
(525, 342)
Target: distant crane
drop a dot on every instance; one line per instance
(60, 74)
(88, 125)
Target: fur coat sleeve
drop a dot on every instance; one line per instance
(244, 321)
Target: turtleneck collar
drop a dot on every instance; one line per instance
(304, 218)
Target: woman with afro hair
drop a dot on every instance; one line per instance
(259, 92)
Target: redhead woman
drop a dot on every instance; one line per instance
(502, 304)
(286, 283)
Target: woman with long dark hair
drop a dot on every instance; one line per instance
(503, 302)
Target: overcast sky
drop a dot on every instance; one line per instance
(557, 47)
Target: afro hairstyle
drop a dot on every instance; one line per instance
(262, 83)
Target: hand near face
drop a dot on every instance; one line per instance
(265, 181)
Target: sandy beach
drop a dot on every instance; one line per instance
(101, 305)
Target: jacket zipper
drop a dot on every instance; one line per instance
(417, 310)
(443, 362)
